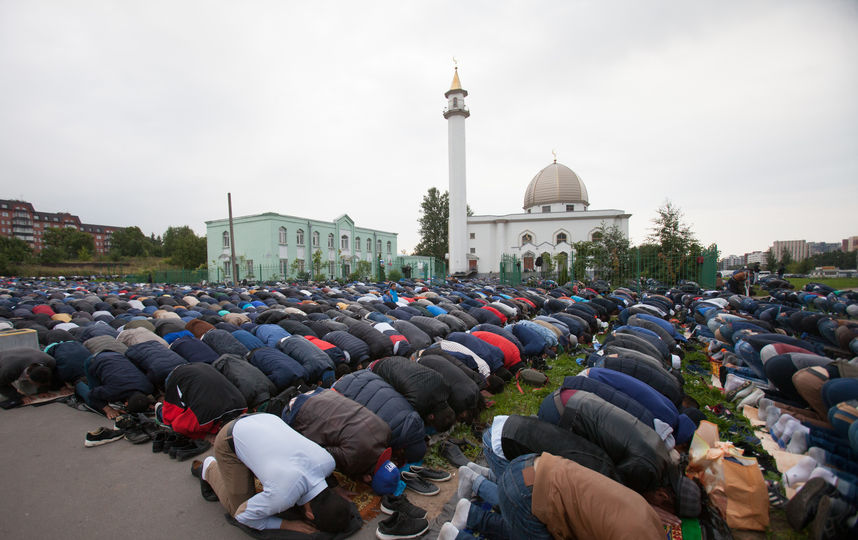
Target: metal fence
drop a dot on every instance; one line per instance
(423, 268)
(637, 268)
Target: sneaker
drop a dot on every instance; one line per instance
(733, 384)
(830, 520)
(101, 436)
(417, 484)
(136, 435)
(453, 454)
(751, 399)
(390, 504)
(433, 475)
(206, 489)
(125, 421)
(802, 507)
(399, 525)
(744, 390)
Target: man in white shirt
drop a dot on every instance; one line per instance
(291, 468)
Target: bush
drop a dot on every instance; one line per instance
(395, 275)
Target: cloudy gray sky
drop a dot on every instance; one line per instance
(744, 114)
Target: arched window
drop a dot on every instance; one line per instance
(226, 239)
(561, 237)
(283, 236)
(357, 243)
(596, 236)
(369, 245)
(526, 239)
(389, 246)
(331, 240)
(300, 237)
(378, 247)
(344, 242)
(315, 238)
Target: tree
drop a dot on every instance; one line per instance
(317, 266)
(62, 244)
(771, 261)
(184, 247)
(129, 242)
(610, 251)
(786, 258)
(671, 233)
(434, 218)
(13, 251)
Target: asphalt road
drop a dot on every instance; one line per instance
(54, 487)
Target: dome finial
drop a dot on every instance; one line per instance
(455, 85)
(554, 153)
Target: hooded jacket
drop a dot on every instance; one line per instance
(371, 391)
(117, 379)
(155, 360)
(424, 388)
(198, 400)
(464, 392)
(315, 362)
(282, 369)
(193, 350)
(250, 381)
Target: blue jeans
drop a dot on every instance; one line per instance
(487, 489)
(515, 502)
(496, 463)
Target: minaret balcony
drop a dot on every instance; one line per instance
(461, 111)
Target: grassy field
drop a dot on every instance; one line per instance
(837, 283)
(136, 265)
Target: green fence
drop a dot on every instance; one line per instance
(424, 268)
(169, 276)
(637, 268)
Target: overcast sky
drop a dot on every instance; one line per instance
(742, 113)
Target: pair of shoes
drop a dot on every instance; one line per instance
(205, 488)
(415, 483)
(101, 436)
(400, 525)
(136, 435)
(193, 448)
(390, 504)
(433, 475)
(453, 454)
(751, 399)
(802, 507)
(830, 520)
(158, 440)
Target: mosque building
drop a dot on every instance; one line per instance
(556, 209)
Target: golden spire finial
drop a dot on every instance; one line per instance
(455, 85)
(554, 153)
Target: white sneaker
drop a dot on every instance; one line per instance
(752, 399)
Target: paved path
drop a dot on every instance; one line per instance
(54, 487)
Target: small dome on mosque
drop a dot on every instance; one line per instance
(556, 183)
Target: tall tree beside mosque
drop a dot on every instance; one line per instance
(676, 243)
(434, 216)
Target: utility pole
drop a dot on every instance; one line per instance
(232, 242)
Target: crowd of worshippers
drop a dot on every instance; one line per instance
(355, 377)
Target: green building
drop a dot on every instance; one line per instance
(272, 247)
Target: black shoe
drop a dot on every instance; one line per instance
(173, 439)
(830, 520)
(802, 507)
(125, 421)
(101, 436)
(136, 435)
(390, 504)
(158, 441)
(194, 449)
(453, 454)
(417, 484)
(205, 488)
(399, 525)
(433, 475)
(181, 446)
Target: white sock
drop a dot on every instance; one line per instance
(762, 406)
(789, 428)
(751, 399)
(206, 462)
(460, 517)
(818, 454)
(448, 532)
(825, 474)
(778, 428)
(772, 415)
(798, 442)
(800, 472)
(466, 482)
(482, 471)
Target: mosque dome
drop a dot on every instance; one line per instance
(556, 183)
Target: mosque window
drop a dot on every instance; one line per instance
(284, 267)
(225, 239)
(546, 209)
(596, 236)
(283, 237)
(331, 240)
(378, 247)
(570, 207)
(369, 245)
(473, 250)
(357, 243)
(315, 238)
(389, 247)
(344, 242)
(473, 236)
(561, 237)
(455, 103)
(526, 239)
(300, 237)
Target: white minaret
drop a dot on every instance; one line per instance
(455, 113)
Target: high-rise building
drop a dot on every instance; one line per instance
(18, 219)
(849, 244)
(798, 249)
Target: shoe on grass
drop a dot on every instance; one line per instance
(399, 525)
(101, 436)
(802, 507)
(390, 504)
(830, 520)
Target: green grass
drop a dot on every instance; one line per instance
(837, 283)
